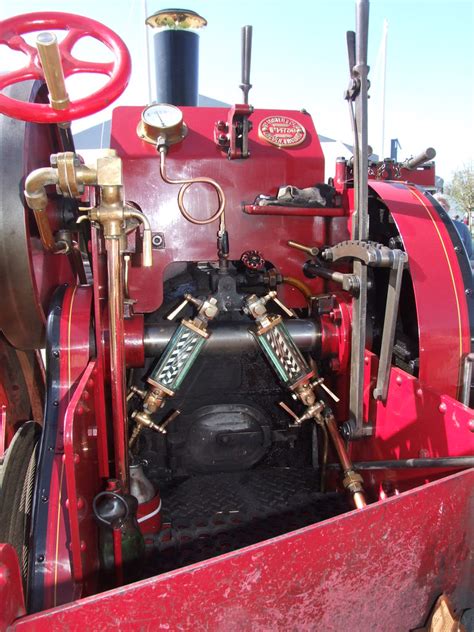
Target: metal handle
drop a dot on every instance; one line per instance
(50, 57)
(112, 495)
(246, 60)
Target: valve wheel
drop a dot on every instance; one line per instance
(77, 27)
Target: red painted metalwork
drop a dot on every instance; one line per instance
(377, 569)
(442, 313)
(415, 421)
(336, 333)
(242, 180)
(11, 587)
(99, 289)
(118, 71)
(134, 343)
(149, 516)
(74, 357)
(4, 438)
(289, 211)
(83, 442)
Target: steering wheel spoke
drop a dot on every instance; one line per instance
(73, 66)
(70, 40)
(76, 27)
(22, 74)
(18, 43)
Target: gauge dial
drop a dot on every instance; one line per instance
(162, 120)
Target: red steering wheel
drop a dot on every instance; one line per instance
(118, 71)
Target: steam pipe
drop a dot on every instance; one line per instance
(117, 359)
(37, 200)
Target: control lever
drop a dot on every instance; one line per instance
(246, 60)
(311, 250)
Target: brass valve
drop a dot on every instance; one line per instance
(143, 420)
(207, 310)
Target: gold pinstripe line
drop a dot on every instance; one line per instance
(458, 307)
(58, 522)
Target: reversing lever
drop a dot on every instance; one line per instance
(246, 60)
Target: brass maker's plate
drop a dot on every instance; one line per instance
(281, 131)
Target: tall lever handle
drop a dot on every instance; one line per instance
(246, 59)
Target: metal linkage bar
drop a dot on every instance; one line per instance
(389, 326)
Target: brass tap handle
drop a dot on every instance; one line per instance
(289, 312)
(50, 57)
(168, 420)
(172, 315)
(320, 382)
(311, 250)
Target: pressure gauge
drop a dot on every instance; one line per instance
(162, 120)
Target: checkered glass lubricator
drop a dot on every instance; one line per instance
(184, 346)
(179, 356)
(276, 341)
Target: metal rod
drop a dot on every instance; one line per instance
(402, 464)
(389, 326)
(361, 109)
(467, 379)
(246, 60)
(359, 316)
(117, 360)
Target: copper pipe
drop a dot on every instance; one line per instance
(117, 360)
(301, 286)
(338, 442)
(359, 500)
(322, 482)
(37, 200)
(185, 184)
(352, 480)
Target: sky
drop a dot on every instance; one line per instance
(299, 60)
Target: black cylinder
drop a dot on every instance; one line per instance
(177, 67)
(231, 337)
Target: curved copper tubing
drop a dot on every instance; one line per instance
(346, 463)
(299, 285)
(186, 183)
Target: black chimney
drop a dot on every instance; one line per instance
(176, 55)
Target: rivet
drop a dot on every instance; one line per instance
(56, 353)
(86, 395)
(399, 380)
(419, 392)
(90, 383)
(366, 360)
(80, 503)
(40, 558)
(470, 425)
(55, 403)
(83, 545)
(79, 410)
(442, 408)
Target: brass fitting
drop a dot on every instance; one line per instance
(154, 400)
(71, 177)
(142, 420)
(50, 56)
